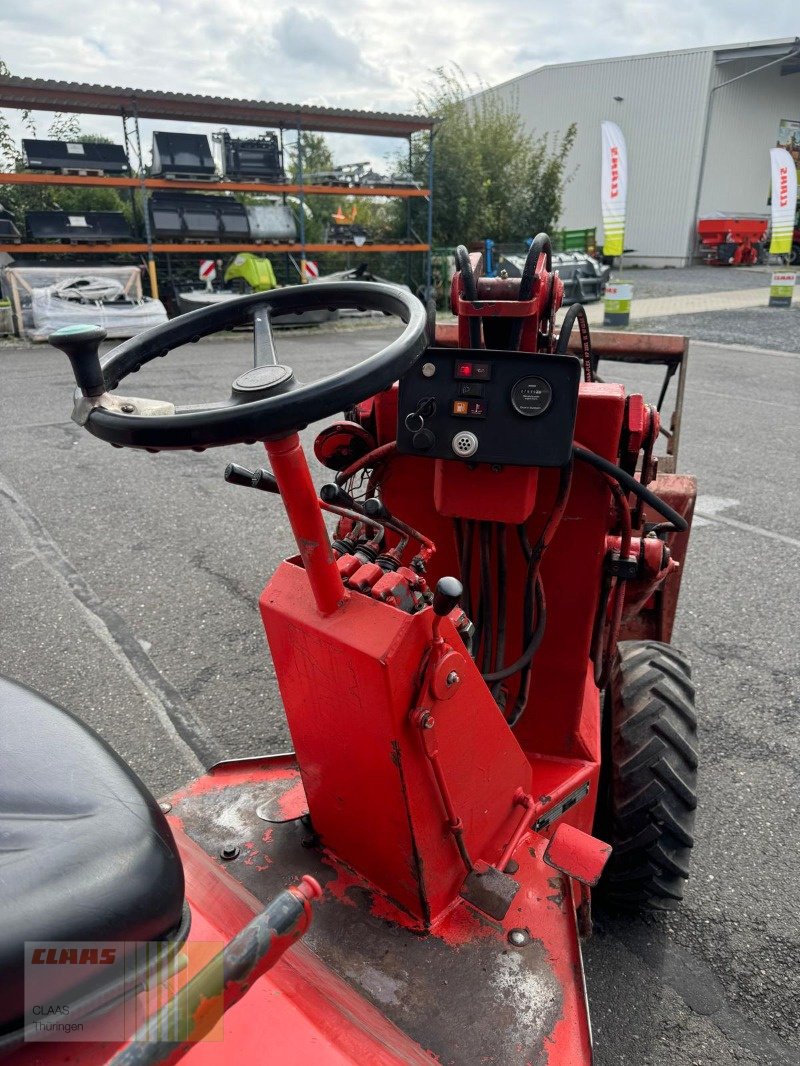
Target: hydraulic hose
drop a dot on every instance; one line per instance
(557, 513)
(466, 568)
(630, 484)
(502, 581)
(371, 459)
(533, 556)
(540, 246)
(535, 641)
(577, 312)
(523, 692)
(470, 292)
(486, 593)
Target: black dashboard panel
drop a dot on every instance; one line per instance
(515, 408)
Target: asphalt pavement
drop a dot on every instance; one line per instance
(752, 327)
(130, 585)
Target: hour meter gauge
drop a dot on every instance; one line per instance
(531, 396)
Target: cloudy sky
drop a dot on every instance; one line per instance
(371, 54)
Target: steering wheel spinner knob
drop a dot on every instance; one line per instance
(81, 345)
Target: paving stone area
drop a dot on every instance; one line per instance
(723, 305)
(700, 278)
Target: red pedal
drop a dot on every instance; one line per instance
(577, 854)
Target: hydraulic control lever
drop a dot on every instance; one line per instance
(251, 479)
(449, 591)
(336, 501)
(335, 494)
(266, 482)
(263, 480)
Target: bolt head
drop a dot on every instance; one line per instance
(128, 408)
(428, 370)
(428, 722)
(452, 679)
(165, 807)
(519, 937)
(228, 852)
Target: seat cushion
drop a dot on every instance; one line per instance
(85, 851)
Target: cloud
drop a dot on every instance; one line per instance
(367, 54)
(313, 39)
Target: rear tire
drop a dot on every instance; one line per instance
(648, 782)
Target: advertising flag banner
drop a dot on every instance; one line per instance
(784, 201)
(614, 188)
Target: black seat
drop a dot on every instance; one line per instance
(85, 851)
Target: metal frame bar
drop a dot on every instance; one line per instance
(41, 95)
(209, 186)
(190, 248)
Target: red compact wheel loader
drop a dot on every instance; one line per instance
(477, 753)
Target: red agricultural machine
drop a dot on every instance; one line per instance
(732, 241)
(476, 752)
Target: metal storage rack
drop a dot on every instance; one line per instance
(131, 105)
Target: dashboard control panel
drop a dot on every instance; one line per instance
(481, 406)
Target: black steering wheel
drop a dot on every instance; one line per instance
(266, 401)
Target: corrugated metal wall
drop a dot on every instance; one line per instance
(743, 127)
(662, 115)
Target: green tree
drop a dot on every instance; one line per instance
(492, 178)
(316, 157)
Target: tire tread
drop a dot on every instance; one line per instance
(647, 810)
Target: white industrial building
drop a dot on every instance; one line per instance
(698, 135)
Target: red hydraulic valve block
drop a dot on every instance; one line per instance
(648, 565)
(640, 432)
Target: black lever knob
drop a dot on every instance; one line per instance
(448, 592)
(262, 479)
(238, 475)
(251, 479)
(335, 494)
(375, 509)
(81, 345)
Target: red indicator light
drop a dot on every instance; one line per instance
(477, 371)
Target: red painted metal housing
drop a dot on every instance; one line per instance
(408, 786)
(372, 799)
(571, 567)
